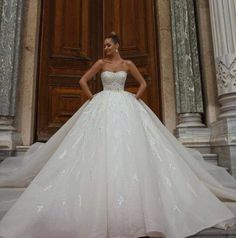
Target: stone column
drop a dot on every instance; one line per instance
(223, 23)
(190, 129)
(11, 18)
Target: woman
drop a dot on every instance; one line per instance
(112, 63)
(113, 170)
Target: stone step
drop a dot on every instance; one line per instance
(20, 150)
(211, 158)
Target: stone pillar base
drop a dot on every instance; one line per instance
(190, 119)
(191, 132)
(223, 142)
(8, 137)
(196, 138)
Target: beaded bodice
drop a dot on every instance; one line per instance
(113, 80)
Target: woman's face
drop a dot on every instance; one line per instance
(109, 47)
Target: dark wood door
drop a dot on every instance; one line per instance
(72, 34)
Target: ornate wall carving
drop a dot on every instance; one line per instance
(223, 21)
(226, 74)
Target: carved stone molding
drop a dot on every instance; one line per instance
(226, 74)
(223, 136)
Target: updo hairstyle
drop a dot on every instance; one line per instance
(114, 37)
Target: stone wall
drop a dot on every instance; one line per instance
(10, 38)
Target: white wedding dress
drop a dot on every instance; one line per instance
(114, 171)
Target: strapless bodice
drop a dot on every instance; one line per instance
(113, 80)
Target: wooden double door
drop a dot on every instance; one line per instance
(71, 40)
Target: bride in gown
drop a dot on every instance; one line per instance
(114, 171)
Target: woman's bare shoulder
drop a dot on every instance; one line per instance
(100, 61)
(129, 64)
(105, 60)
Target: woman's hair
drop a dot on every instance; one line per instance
(114, 37)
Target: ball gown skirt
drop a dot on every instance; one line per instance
(114, 171)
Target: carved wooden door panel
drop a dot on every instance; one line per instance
(69, 45)
(72, 34)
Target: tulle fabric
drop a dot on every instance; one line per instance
(113, 170)
(19, 171)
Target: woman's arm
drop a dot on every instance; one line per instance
(137, 76)
(97, 66)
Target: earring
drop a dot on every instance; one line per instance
(116, 50)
